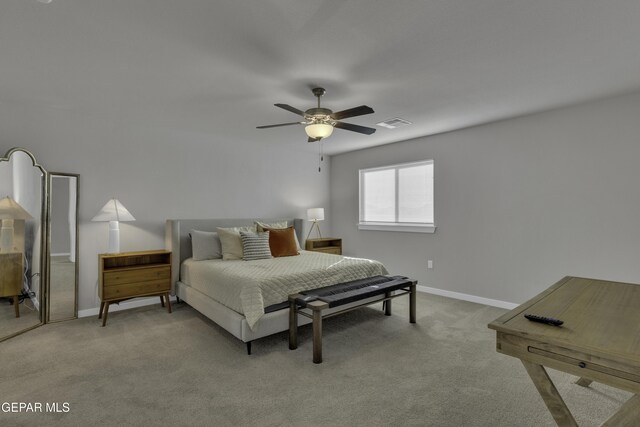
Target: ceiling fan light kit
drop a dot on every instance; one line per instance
(319, 130)
(319, 122)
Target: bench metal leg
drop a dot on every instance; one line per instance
(387, 304)
(412, 304)
(317, 336)
(293, 323)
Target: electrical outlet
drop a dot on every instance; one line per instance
(430, 264)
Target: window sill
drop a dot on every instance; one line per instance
(405, 228)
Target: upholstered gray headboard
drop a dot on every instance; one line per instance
(177, 238)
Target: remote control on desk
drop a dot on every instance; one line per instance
(542, 319)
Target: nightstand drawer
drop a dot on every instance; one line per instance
(11, 277)
(327, 245)
(333, 250)
(120, 277)
(129, 290)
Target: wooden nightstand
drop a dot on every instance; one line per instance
(131, 275)
(328, 245)
(11, 277)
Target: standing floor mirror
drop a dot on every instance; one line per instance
(62, 302)
(23, 242)
(38, 244)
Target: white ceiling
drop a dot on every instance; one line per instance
(218, 67)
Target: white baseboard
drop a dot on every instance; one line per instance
(467, 297)
(139, 302)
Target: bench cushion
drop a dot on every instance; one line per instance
(356, 290)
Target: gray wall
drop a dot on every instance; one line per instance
(158, 172)
(518, 203)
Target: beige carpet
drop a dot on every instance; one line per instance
(148, 367)
(10, 324)
(63, 288)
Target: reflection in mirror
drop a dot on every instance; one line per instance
(63, 247)
(22, 242)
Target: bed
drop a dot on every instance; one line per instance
(249, 298)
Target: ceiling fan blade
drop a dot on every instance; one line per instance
(290, 108)
(352, 112)
(278, 125)
(354, 128)
(313, 139)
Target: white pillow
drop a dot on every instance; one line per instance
(231, 242)
(277, 225)
(205, 245)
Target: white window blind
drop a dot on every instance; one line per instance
(397, 197)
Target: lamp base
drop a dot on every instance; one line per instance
(315, 224)
(6, 236)
(114, 237)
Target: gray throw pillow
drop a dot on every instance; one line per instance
(255, 246)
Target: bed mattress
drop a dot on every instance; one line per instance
(247, 287)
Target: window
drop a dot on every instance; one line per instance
(397, 198)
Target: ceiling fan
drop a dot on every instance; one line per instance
(319, 122)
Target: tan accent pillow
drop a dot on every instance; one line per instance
(282, 242)
(263, 225)
(231, 242)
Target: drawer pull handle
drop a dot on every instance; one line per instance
(582, 365)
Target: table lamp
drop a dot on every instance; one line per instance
(113, 212)
(315, 215)
(10, 210)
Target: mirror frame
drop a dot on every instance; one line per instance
(50, 176)
(44, 253)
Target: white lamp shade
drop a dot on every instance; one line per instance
(319, 130)
(315, 214)
(10, 209)
(113, 211)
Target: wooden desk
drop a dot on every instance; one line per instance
(599, 341)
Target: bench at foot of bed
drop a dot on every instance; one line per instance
(362, 290)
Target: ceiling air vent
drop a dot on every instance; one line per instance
(396, 122)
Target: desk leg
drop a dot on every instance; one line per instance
(583, 382)
(627, 416)
(550, 395)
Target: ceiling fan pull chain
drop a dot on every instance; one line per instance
(320, 155)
